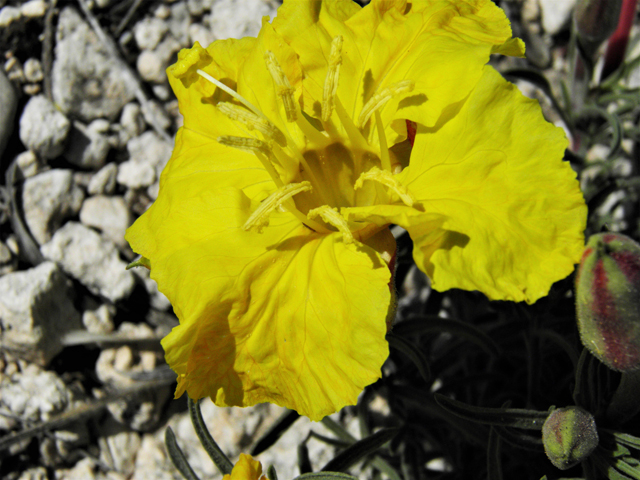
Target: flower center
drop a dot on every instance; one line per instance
(334, 170)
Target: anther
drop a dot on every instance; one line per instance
(388, 180)
(331, 80)
(378, 100)
(260, 217)
(252, 145)
(283, 88)
(252, 121)
(333, 217)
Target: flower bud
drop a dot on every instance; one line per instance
(595, 21)
(569, 436)
(608, 300)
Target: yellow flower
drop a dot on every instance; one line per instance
(270, 233)
(246, 469)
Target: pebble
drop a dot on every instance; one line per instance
(8, 15)
(556, 14)
(91, 259)
(120, 448)
(179, 21)
(88, 146)
(110, 215)
(48, 199)
(200, 33)
(149, 31)
(8, 263)
(148, 156)
(99, 320)
(151, 66)
(43, 128)
(33, 70)
(155, 114)
(36, 310)
(28, 164)
(33, 8)
(238, 18)
(131, 122)
(8, 106)
(104, 181)
(87, 82)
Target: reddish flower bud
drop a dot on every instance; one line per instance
(608, 300)
(569, 436)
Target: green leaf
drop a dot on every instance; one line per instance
(519, 439)
(177, 457)
(211, 447)
(613, 121)
(271, 473)
(494, 464)
(434, 324)
(628, 440)
(624, 467)
(326, 476)
(605, 468)
(360, 450)
(505, 417)
(412, 352)
(276, 430)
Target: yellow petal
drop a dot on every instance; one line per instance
(495, 170)
(245, 469)
(441, 45)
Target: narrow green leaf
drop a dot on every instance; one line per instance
(271, 473)
(412, 352)
(434, 324)
(505, 417)
(337, 430)
(605, 468)
(211, 447)
(494, 464)
(276, 430)
(628, 440)
(304, 462)
(519, 439)
(177, 457)
(613, 121)
(335, 442)
(359, 450)
(624, 467)
(580, 390)
(326, 476)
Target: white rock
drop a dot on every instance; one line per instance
(196, 7)
(110, 215)
(131, 122)
(120, 448)
(87, 148)
(35, 395)
(155, 114)
(86, 80)
(99, 320)
(43, 128)
(47, 200)
(149, 154)
(33, 70)
(85, 469)
(8, 15)
(36, 310)
(151, 67)
(238, 18)
(33, 8)
(8, 263)
(104, 181)
(149, 31)
(91, 259)
(200, 33)
(179, 21)
(162, 12)
(28, 164)
(135, 174)
(158, 300)
(556, 14)
(35, 473)
(152, 461)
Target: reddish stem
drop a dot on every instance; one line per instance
(618, 42)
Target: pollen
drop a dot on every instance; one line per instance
(388, 180)
(260, 217)
(378, 100)
(333, 217)
(248, 144)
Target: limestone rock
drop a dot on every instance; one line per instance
(43, 128)
(110, 215)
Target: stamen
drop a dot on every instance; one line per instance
(388, 180)
(252, 121)
(260, 217)
(385, 159)
(378, 100)
(283, 87)
(331, 80)
(259, 148)
(333, 217)
(231, 92)
(357, 140)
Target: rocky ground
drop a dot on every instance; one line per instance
(87, 121)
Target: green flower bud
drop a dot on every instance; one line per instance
(595, 21)
(569, 436)
(608, 300)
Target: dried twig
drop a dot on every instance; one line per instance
(47, 48)
(127, 18)
(131, 75)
